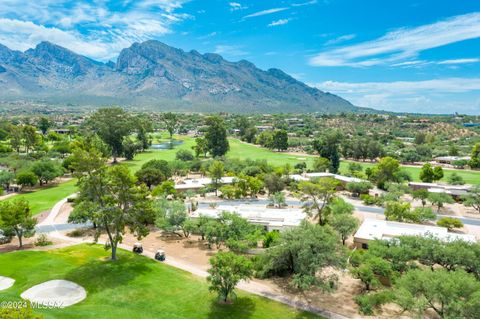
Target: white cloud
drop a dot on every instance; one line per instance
(230, 51)
(234, 6)
(459, 61)
(278, 22)
(428, 96)
(21, 35)
(94, 30)
(304, 3)
(340, 39)
(265, 12)
(456, 85)
(402, 44)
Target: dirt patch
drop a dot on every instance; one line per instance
(29, 244)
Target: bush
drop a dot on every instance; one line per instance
(450, 223)
(271, 238)
(184, 155)
(358, 188)
(43, 240)
(370, 200)
(369, 302)
(27, 178)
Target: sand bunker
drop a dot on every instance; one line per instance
(6, 282)
(61, 293)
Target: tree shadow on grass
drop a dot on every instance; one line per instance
(240, 308)
(101, 274)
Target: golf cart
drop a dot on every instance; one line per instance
(137, 248)
(160, 255)
(4, 238)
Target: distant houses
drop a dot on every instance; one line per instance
(456, 191)
(372, 229)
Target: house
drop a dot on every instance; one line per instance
(199, 183)
(270, 218)
(450, 159)
(372, 229)
(344, 180)
(262, 128)
(62, 131)
(456, 191)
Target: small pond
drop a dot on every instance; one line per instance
(167, 145)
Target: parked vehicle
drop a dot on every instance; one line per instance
(4, 238)
(160, 255)
(137, 248)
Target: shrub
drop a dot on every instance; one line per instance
(370, 200)
(358, 188)
(369, 302)
(43, 240)
(271, 238)
(184, 155)
(450, 223)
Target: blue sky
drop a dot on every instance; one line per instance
(416, 56)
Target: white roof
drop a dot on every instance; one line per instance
(257, 214)
(382, 229)
(309, 176)
(191, 183)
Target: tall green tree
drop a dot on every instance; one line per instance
(316, 196)
(280, 140)
(472, 199)
(302, 253)
(110, 198)
(200, 147)
(450, 294)
(30, 137)
(171, 121)
(226, 271)
(440, 199)
(16, 219)
(15, 133)
(171, 216)
(112, 125)
(387, 170)
(44, 124)
(328, 147)
(345, 225)
(475, 157)
(47, 170)
(216, 136)
(216, 172)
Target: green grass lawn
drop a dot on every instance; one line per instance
(247, 151)
(43, 199)
(168, 155)
(244, 151)
(132, 287)
(470, 177)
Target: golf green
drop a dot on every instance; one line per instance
(132, 287)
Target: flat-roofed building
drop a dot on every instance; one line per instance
(271, 218)
(454, 190)
(372, 229)
(344, 180)
(199, 183)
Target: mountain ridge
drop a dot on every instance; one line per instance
(157, 76)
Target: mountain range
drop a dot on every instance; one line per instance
(153, 75)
